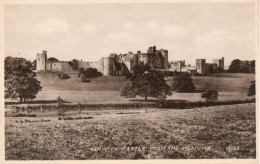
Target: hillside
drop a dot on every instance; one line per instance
(107, 88)
(50, 81)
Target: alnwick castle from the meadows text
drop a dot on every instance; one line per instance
(119, 65)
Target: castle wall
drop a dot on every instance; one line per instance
(98, 65)
(219, 62)
(48, 65)
(57, 66)
(66, 67)
(84, 65)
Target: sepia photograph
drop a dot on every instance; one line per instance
(130, 81)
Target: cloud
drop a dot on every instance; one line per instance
(164, 30)
(118, 36)
(53, 25)
(129, 25)
(88, 28)
(173, 30)
(153, 24)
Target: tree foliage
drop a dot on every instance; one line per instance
(52, 59)
(74, 64)
(146, 83)
(251, 89)
(90, 72)
(20, 81)
(183, 83)
(238, 66)
(210, 95)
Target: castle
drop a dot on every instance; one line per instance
(113, 65)
(121, 64)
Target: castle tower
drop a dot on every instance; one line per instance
(41, 61)
(222, 63)
(151, 50)
(108, 66)
(165, 57)
(201, 66)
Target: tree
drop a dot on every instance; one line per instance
(34, 65)
(252, 67)
(251, 89)
(146, 83)
(20, 81)
(183, 83)
(210, 95)
(52, 59)
(234, 66)
(74, 64)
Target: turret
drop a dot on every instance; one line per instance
(41, 61)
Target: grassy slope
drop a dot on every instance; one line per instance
(103, 83)
(221, 82)
(218, 127)
(107, 88)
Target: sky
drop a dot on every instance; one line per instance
(92, 31)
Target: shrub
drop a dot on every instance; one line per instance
(210, 95)
(59, 100)
(84, 79)
(80, 72)
(63, 75)
(251, 89)
(92, 72)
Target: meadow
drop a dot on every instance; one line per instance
(107, 88)
(218, 132)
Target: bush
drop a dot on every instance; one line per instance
(210, 95)
(92, 72)
(84, 79)
(63, 75)
(80, 72)
(59, 100)
(251, 89)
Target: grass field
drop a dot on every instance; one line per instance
(107, 88)
(212, 132)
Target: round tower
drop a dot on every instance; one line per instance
(108, 66)
(41, 61)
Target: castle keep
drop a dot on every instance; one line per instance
(113, 65)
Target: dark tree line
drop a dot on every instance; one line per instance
(238, 66)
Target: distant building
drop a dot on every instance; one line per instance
(189, 69)
(177, 65)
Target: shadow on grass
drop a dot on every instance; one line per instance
(155, 101)
(34, 102)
